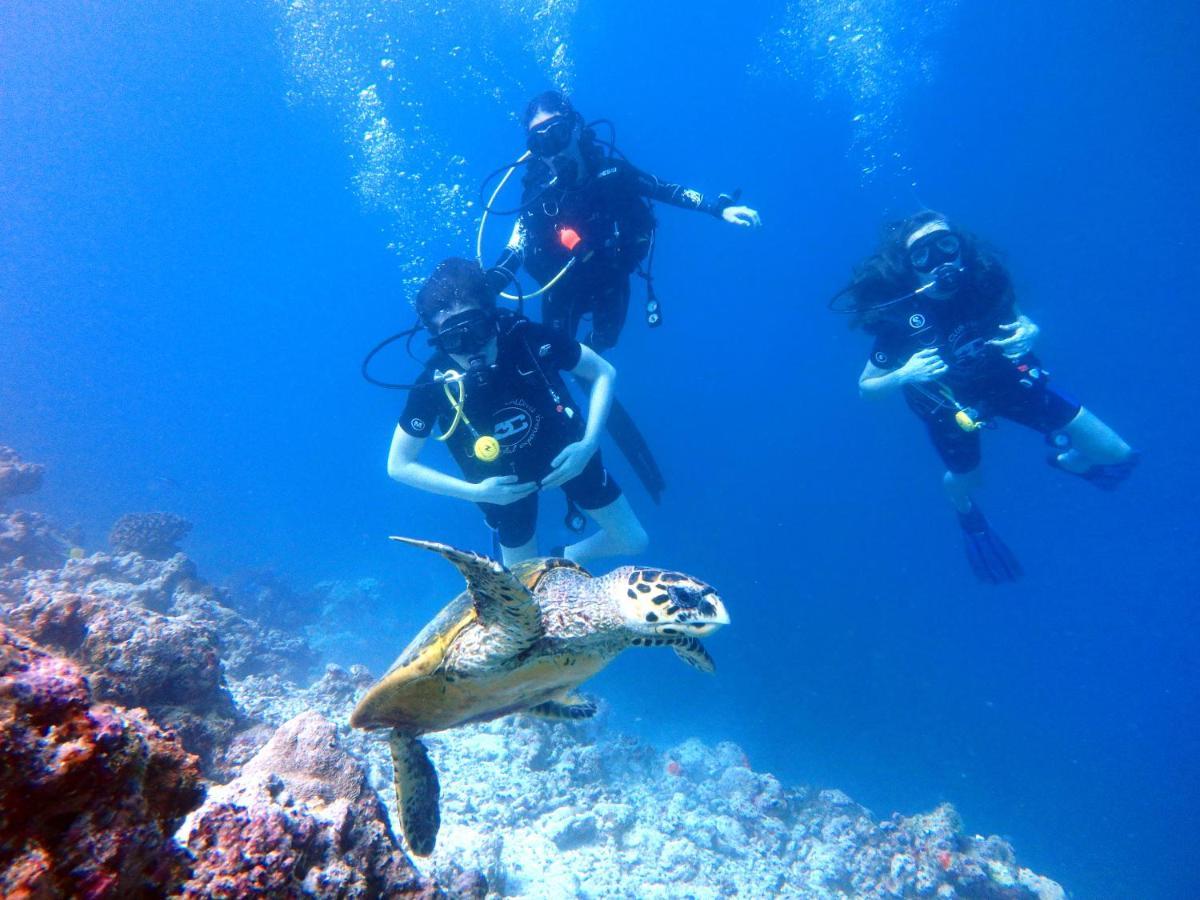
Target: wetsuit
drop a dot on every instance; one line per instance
(522, 402)
(979, 375)
(608, 210)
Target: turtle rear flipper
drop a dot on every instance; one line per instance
(499, 596)
(417, 792)
(692, 652)
(569, 707)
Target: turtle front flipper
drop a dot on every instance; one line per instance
(499, 596)
(570, 707)
(692, 652)
(417, 792)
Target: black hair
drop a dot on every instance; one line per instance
(888, 273)
(554, 102)
(455, 283)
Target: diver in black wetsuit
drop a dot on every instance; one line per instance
(948, 333)
(496, 392)
(585, 226)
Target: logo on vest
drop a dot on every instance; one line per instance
(516, 425)
(916, 320)
(417, 424)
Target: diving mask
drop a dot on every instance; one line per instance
(466, 332)
(551, 137)
(934, 250)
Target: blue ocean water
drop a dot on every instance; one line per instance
(199, 242)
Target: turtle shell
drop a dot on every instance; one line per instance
(421, 659)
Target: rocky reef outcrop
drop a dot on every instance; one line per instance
(152, 634)
(90, 794)
(17, 477)
(27, 539)
(300, 820)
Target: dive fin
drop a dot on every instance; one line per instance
(989, 557)
(628, 437)
(570, 707)
(498, 595)
(1106, 476)
(692, 652)
(417, 793)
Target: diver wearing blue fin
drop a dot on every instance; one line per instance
(948, 334)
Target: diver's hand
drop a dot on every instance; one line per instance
(501, 490)
(924, 365)
(569, 463)
(1020, 342)
(741, 215)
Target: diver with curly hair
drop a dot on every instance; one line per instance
(947, 334)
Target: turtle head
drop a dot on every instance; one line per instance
(654, 602)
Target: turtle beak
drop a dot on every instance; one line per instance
(692, 610)
(704, 622)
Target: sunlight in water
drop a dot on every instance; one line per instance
(389, 71)
(868, 53)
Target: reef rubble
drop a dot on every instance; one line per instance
(155, 740)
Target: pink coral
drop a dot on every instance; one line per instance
(300, 820)
(89, 794)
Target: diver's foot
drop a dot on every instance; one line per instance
(1107, 477)
(989, 557)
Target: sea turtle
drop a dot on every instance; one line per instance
(521, 641)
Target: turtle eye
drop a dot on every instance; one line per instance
(691, 598)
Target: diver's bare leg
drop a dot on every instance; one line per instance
(959, 486)
(620, 533)
(514, 555)
(1092, 444)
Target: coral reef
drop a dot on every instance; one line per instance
(16, 476)
(89, 794)
(266, 596)
(350, 617)
(28, 540)
(151, 634)
(134, 655)
(550, 810)
(155, 535)
(301, 820)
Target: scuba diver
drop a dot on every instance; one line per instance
(585, 226)
(947, 331)
(495, 390)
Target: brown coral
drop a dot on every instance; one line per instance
(154, 534)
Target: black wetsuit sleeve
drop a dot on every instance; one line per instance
(678, 195)
(883, 353)
(505, 269)
(421, 410)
